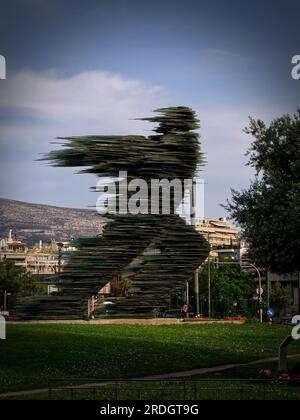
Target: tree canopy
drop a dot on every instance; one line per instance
(269, 211)
(17, 283)
(281, 297)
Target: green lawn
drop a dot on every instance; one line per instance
(34, 353)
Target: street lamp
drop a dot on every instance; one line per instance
(209, 273)
(193, 199)
(209, 278)
(196, 279)
(196, 272)
(260, 292)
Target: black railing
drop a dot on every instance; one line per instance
(173, 389)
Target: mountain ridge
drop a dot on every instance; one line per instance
(33, 222)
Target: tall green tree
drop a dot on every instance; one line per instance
(17, 283)
(269, 211)
(281, 297)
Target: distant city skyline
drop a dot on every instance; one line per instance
(75, 68)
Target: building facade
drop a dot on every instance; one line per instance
(39, 260)
(224, 239)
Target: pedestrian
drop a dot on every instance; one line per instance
(186, 309)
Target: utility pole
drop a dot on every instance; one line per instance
(268, 288)
(209, 276)
(209, 285)
(196, 277)
(187, 293)
(260, 294)
(193, 223)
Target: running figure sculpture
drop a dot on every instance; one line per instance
(173, 152)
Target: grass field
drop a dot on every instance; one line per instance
(34, 353)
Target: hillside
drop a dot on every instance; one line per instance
(34, 222)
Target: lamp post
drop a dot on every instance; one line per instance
(268, 288)
(209, 281)
(193, 223)
(196, 279)
(187, 298)
(260, 292)
(209, 275)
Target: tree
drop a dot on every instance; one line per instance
(281, 297)
(17, 283)
(269, 211)
(231, 287)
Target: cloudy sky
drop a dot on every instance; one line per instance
(76, 68)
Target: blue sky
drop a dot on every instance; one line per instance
(78, 67)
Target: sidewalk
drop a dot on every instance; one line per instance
(135, 321)
(182, 374)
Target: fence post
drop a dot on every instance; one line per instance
(49, 390)
(283, 353)
(2, 328)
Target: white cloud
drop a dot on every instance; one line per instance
(224, 141)
(90, 100)
(41, 106)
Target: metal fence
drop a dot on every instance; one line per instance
(173, 390)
